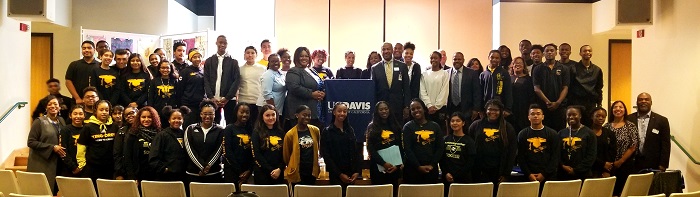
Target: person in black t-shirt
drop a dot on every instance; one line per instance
(606, 145)
(460, 152)
(423, 145)
(383, 132)
(496, 145)
(578, 147)
(162, 90)
(69, 141)
(341, 152)
(267, 148)
(238, 156)
(168, 158)
(349, 71)
(79, 71)
(137, 147)
(134, 82)
(65, 103)
(551, 80)
(95, 144)
(539, 149)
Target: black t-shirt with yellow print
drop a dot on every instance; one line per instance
(267, 150)
(237, 148)
(381, 136)
(538, 151)
(578, 148)
(423, 144)
(492, 151)
(162, 92)
(106, 83)
(98, 140)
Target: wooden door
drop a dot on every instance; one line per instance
(621, 73)
(42, 58)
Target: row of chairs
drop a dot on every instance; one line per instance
(27, 183)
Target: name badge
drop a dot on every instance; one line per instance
(396, 69)
(655, 131)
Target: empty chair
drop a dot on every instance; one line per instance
(158, 188)
(561, 188)
(657, 195)
(471, 190)
(369, 190)
(211, 189)
(78, 187)
(522, 189)
(318, 191)
(421, 190)
(28, 195)
(689, 194)
(267, 190)
(9, 182)
(637, 185)
(117, 188)
(600, 187)
(33, 183)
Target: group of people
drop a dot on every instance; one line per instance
(161, 122)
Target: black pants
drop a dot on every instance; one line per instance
(485, 175)
(263, 178)
(306, 174)
(228, 113)
(622, 173)
(335, 180)
(555, 119)
(381, 178)
(413, 176)
(439, 117)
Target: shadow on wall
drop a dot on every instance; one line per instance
(692, 172)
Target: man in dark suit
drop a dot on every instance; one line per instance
(221, 80)
(465, 90)
(391, 82)
(654, 147)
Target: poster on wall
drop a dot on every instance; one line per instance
(122, 43)
(197, 40)
(137, 43)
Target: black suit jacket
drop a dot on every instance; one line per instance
(399, 94)
(657, 146)
(471, 92)
(415, 80)
(230, 76)
(300, 85)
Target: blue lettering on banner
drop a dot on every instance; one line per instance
(358, 95)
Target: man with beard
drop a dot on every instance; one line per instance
(654, 147)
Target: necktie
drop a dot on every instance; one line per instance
(455, 88)
(389, 73)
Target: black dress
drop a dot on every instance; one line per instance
(523, 96)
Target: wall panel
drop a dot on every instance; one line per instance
(357, 26)
(301, 23)
(415, 21)
(466, 26)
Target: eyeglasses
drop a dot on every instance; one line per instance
(207, 114)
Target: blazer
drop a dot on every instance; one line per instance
(300, 85)
(230, 76)
(657, 146)
(399, 94)
(416, 74)
(470, 90)
(42, 137)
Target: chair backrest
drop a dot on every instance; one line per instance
(369, 190)
(689, 194)
(33, 183)
(2, 195)
(117, 188)
(523, 189)
(600, 187)
(75, 187)
(267, 190)
(471, 190)
(28, 195)
(318, 191)
(159, 188)
(211, 189)
(561, 188)
(9, 182)
(657, 195)
(637, 185)
(422, 190)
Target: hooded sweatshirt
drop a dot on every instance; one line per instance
(95, 143)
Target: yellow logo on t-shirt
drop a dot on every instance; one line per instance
(536, 144)
(491, 134)
(75, 139)
(424, 137)
(322, 75)
(136, 84)
(164, 91)
(571, 142)
(386, 136)
(244, 139)
(274, 143)
(107, 80)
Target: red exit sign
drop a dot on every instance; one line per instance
(23, 27)
(640, 33)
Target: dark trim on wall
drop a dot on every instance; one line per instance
(50, 35)
(610, 43)
(328, 51)
(545, 1)
(384, 22)
(438, 27)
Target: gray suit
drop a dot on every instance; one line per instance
(42, 137)
(300, 85)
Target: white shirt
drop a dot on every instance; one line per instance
(250, 89)
(219, 71)
(642, 126)
(205, 131)
(435, 87)
(410, 70)
(314, 75)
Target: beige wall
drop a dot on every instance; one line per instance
(664, 64)
(301, 23)
(360, 32)
(466, 26)
(14, 85)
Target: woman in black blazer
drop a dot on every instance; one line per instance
(304, 87)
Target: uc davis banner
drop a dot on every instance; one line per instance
(358, 94)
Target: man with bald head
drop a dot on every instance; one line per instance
(465, 93)
(391, 82)
(654, 148)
